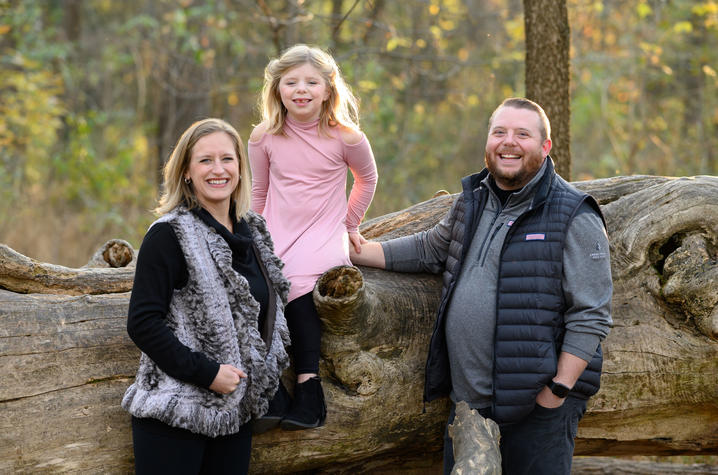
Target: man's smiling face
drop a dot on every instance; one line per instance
(515, 149)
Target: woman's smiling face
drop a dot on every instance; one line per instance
(214, 170)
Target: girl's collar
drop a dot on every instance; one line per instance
(302, 125)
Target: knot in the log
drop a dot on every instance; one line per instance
(341, 300)
(359, 371)
(690, 273)
(114, 253)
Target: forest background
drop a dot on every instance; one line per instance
(93, 94)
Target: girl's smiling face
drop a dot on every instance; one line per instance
(303, 90)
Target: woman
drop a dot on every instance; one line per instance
(206, 311)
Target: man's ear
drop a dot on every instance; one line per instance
(546, 147)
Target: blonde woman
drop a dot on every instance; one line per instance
(207, 312)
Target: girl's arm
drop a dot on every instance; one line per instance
(259, 162)
(360, 160)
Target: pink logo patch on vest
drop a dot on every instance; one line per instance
(535, 237)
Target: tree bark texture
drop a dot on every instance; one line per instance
(548, 43)
(66, 360)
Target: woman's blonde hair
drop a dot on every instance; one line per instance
(176, 192)
(341, 108)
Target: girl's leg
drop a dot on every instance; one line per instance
(308, 408)
(305, 330)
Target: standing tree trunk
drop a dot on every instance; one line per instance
(548, 40)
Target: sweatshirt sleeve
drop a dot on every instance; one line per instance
(425, 251)
(360, 160)
(587, 284)
(259, 163)
(161, 268)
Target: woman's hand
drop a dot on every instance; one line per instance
(227, 379)
(356, 240)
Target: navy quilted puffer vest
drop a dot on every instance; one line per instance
(530, 304)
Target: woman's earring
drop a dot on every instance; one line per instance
(187, 180)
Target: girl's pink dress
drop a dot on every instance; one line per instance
(299, 186)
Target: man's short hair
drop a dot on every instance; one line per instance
(523, 103)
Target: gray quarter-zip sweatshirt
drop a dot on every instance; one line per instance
(471, 313)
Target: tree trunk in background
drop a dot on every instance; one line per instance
(184, 98)
(66, 359)
(548, 41)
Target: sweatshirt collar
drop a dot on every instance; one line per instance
(538, 187)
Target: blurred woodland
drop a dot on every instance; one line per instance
(94, 93)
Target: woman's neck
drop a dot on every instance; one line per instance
(220, 212)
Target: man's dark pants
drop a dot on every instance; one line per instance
(542, 443)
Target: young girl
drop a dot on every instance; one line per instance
(299, 155)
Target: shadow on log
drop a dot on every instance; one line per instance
(65, 358)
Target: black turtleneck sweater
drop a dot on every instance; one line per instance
(161, 269)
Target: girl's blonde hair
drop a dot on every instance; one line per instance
(176, 192)
(341, 108)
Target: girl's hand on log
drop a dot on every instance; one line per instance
(227, 379)
(356, 240)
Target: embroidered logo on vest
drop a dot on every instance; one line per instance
(536, 237)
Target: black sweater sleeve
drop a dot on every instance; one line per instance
(161, 268)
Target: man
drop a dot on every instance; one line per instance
(526, 296)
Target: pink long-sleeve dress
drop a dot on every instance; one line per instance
(299, 186)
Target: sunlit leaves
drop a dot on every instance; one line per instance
(643, 10)
(654, 86)
(81, 118)
(682, 27)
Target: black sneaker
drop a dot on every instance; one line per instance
(308, 409)
(278, 407)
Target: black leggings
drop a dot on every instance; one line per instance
(305, 331)
(160, 448)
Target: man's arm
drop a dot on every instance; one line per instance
(588, 289)
(424, 251)
(587, 284)
(371, 255)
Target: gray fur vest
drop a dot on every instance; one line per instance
(215, 313)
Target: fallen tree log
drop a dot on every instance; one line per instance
(65, 358)
(610, 466)
(110, 270)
